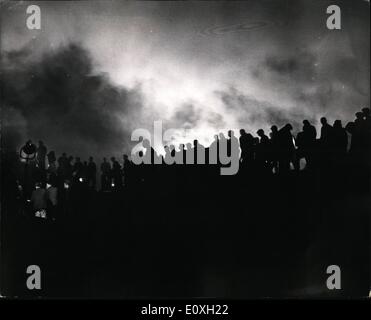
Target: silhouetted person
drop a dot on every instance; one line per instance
(52, 198)
(38, 198)
(327, 143)
(62, 159)
(69, 167)
(305, 142)
(367, 118)
(85, 171)
(77, 168)
(231, 139)
(256, 147)
(116, 181)
(274, 147)
(138, 172)
(28, 154)
(247, 148)
(350, 129)
(52, 167)
(310, 131)
(262, 149)
(287, 148)
(105, 177)
(92, 173)
(359, 153)
(326, 133)
(127, 171)
(172, 150)
(358, 127)
(361, 142)
(62, 163)
(28, 151)
(41, 154)
(359, 130)
(181, 157)
(359, 121)
(367, 133)
(340, 140)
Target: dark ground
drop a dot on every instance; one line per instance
(243, 236)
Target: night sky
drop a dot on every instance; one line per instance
(98, 70)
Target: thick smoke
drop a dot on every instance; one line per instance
(253, 114)
(60, 99)
(210, 67)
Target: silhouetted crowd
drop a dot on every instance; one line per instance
(46, 181)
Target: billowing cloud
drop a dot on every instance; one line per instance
(60, 99)
(98, 70)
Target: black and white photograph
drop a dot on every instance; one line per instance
(185, 150)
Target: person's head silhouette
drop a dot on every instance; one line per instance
(288, 127)
(323, 121)
(230, 133)
(366, 112)
(359, 115)
(260, 132)
(274, 128)
(337, 124)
